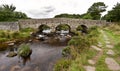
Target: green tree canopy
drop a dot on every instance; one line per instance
(96, 9)
(8, 13)
(68, 16)
(114, 14)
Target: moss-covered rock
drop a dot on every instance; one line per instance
(24, 50)
(11, 54)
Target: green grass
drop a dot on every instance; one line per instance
(115, 39)
(100, 65)
(11, 35)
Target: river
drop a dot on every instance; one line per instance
(43, 58)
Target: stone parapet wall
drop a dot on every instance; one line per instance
(52, 22)
(12, 26)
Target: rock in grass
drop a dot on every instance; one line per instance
(12, 54)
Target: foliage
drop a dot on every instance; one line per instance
(96, 9)
(43, 27)
(62, 27)
(24, 50)
(94, 12)
(12, 35)
(8, 13)
(82, 28)
(66, 51)
(27, 29)
(86, 16)
(79, 51)
(93, 35)
(62, 65)
(68, 16)
(114, 14)
(80, 43)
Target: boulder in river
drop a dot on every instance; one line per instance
(24, 50)
(12, 54)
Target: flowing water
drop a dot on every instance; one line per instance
(43, 57)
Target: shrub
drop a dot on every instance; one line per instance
(62, 27)
(66, 52)
(93, 35)
(16, 34)
(43, 27)
(24, 50)
(79, 42)
(3, 39)
(62, 65)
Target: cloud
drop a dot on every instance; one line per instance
(50, 8)
(43, 12)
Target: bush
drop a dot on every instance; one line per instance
(16, 34)
(43, 27)
(79, 42)
(62, 65)
(66, 52)
(24, 50)
(62, 27)
(93, 35)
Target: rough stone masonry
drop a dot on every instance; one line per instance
(52, 22)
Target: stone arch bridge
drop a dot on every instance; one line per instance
(51, 22)
(54, 22)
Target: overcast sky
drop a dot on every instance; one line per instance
(50, 8)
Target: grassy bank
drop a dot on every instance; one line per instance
(78, 51)
(8, 36)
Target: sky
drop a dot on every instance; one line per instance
(50, 8)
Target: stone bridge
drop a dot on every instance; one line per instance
(51, 22)
(54, 22)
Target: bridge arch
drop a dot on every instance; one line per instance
(83, 28)
(63, 27)
(43, 27)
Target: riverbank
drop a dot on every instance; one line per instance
(103, 56)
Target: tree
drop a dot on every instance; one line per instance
(96, 9)
(86, 16)
(8, 13)
(114, 14)
(68, 16)
(10, 8)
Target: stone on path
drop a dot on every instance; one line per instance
(109, 46)
(89, 68)
(92, 62)
(99, 44)
(96, 48)
(112, 64)
(110, 52)
(107, 42)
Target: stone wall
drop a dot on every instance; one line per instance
(12, 26)
(52, 22)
